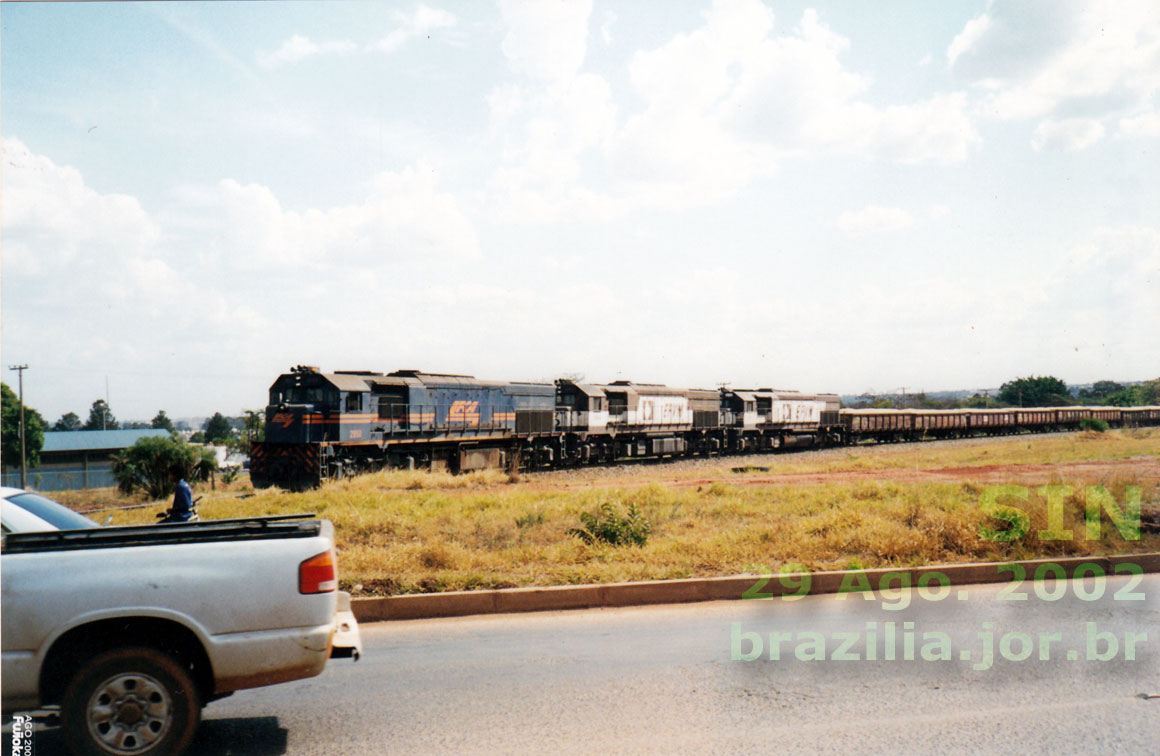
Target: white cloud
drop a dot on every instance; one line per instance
(1070, 135)
(504, 103)
(1143, 126)
(606, 25)
(416, 24)
(720, 106)
(1064, 58)
(793, 94)
(403, 215)
(52, 219)
(205, 291)
(101, 286)
(936, 130)
(299, 48)
(969, 38)
(874, 219)
(1105, 294)
(546, 40)
(546, 134)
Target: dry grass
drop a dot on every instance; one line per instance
(1087, 446)
(402, 532)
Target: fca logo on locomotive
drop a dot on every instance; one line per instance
(462, 411)
(285, 419)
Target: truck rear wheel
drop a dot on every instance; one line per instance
(130, 702)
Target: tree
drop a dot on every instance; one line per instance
(100, 417)
(145, 465)
(1146, 394)
(161, 420)
(1100, 390)
(34, 426)
(217, 429)
(1123, 398)
(980, 401)
(1042, 391)
(68, 422)
(253, 428)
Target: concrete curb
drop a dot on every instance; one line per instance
(538, 599)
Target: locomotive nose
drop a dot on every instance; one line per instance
(287, 425)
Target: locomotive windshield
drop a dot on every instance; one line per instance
(318, 396)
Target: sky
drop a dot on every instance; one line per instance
(825, 196)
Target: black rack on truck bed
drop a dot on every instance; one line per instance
(238, 529)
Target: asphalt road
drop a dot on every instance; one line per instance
(690, 679)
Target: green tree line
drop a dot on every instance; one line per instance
(236, 433)
(1031, 391)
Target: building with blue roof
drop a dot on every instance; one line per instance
(79, 459)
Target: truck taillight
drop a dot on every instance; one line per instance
(318, 574)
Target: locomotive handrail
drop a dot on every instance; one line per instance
(427, 418)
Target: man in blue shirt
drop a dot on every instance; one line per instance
(182, 508)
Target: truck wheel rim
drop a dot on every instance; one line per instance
(129, 713)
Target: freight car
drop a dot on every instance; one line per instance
(323, 426)
(887, 425)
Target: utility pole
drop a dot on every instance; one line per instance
(23, 465)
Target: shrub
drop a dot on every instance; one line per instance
(145, 465)
(608, 525)
(530, 519)
(1093, 424)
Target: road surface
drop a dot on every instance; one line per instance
(693, 679)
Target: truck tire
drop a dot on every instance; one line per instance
(130, 702)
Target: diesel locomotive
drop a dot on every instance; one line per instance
(322, 426)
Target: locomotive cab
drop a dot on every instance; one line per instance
(742, 408)
(580, 406)
(304, 386)
(309, 406)
(299, 400)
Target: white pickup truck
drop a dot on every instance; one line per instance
(132, 630)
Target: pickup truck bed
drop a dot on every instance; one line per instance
(188, 612)
(204, 531)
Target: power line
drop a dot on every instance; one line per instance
(150, 374)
